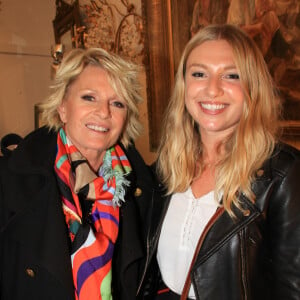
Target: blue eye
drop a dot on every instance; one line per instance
(87, 97)
(118, 104)
(233, 76)
(198, 74)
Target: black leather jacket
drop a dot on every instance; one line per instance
(256, 256)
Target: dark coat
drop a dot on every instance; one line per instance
(255, 256)
(34, 244)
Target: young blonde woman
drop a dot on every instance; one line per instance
(228, 226)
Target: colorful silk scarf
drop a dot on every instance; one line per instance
(91, 207)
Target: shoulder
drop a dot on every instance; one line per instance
(282, 178)
(139, 167)
(284, 159)
(142, 178)
(42, 136)
(279, 174)
(133, 155)
(36, 149)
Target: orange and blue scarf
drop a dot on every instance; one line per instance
(91, 206)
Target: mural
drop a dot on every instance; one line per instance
(116, 26)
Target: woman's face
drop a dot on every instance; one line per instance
(93, 114)
(214, 95)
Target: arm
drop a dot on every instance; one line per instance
(284, 233)
(1, 223)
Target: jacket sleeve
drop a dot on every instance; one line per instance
(3, 163)
(284, 231)
(1, 221)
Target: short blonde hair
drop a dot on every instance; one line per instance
(123, 76)
(247, 148)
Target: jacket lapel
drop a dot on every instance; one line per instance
(224, 227)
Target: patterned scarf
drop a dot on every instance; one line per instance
(91, 207)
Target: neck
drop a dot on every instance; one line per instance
(210, 155)
(94, 161)
(213, 147)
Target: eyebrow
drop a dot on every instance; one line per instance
(205, 67)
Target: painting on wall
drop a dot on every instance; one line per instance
(115, 25)
(273, 24)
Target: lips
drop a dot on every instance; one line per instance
(97, 128)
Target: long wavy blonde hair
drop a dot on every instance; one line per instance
(247, 148)
(123, 76)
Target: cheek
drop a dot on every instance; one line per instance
(190, 88)
(189, 105)
(122, 121)
(236, 93)
(194, 91)
(71, 115)
(239, 101)
(120, 116)
(77, 112)
(187, 93)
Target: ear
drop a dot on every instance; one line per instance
(62, 111)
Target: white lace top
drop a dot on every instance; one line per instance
(184, 222)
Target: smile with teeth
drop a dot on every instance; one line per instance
(97, 128)
(212, 106)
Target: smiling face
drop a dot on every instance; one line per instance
(213, 92)
(93, 114)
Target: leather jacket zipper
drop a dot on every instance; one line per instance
(244, 259)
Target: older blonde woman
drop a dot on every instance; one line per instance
(72, 195)
(229, 226)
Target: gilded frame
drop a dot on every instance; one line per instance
(167, 31)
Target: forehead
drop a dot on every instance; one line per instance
(216, 50)
(93, 71)
(91, 76)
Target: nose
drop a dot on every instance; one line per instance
(214, 87)
(103, 110)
